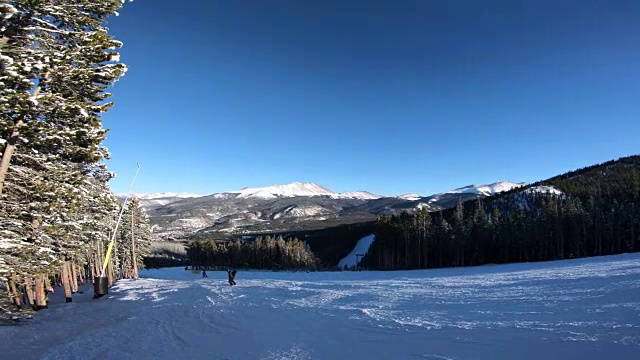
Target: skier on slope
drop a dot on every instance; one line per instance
(232, 276)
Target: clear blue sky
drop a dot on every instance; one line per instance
(388, 96)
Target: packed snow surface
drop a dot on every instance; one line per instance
(576, 309)
(362, 247)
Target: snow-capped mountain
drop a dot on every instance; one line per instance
(287, 190)
(290, 206)
(410, 196)
(487, 190)
(295, 189)
(159, 198)
(164, 195)
(364, 195)
(483, 190)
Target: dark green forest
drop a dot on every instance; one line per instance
(261, 253)
(597, 213)
(331, 244)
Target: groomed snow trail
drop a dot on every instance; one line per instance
(585, 308)
(362, 247)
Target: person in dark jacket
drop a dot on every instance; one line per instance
(204, 273)
(232, 276)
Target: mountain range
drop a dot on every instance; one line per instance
(287, 207)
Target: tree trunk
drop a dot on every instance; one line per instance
(11, 144)
(82, 273)
(101, 258)
(110, 272)
(8, 153)
(96, 270)
(115, 267)
(17, 301)
(134, 260)
(66, 281)
(28, 290)
(94, 262)
(74, 277)
(41, 299)
(98, 264)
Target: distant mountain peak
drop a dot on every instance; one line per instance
(488, 189)
(283, 190)
(410, 196)
(297, 188)
(161, 195)
(292, 205)
(365, 195)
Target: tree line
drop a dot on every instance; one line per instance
(261, 253)
(329, 244)
(597, 212)
(57, 211)
(166, 254)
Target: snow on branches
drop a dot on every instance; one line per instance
(57, 60)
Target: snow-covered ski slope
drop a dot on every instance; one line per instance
(576, 309)
(362, 247)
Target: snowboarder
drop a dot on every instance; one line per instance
(204, 273)
(232, 276)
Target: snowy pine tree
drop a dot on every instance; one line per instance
(100, 210)
(134, 238)
(56, 61)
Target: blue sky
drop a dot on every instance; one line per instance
(386, 96)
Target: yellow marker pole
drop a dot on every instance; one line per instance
(106, 258)
(115, 231)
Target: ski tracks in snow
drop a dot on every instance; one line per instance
(588, 308)
(582, 303)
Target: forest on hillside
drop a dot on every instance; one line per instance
(329, 245)
(274, 253)
(596, 213)
(332, 243)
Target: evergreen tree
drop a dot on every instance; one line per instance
(135, 237)
(262, 253)
(56, 60)
(596, 213)
(56, 63)
(37, 215)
